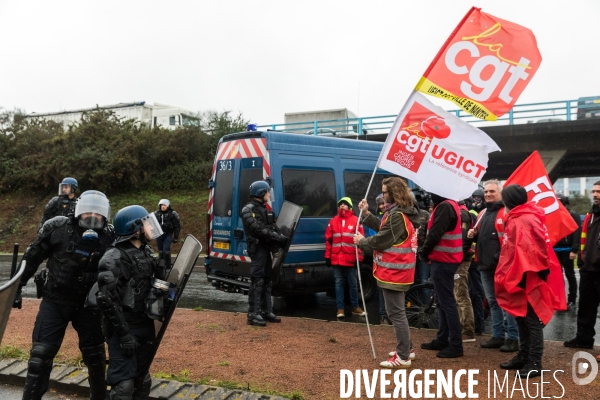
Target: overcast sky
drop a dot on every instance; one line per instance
(266, 58)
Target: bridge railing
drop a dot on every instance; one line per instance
(563, 110)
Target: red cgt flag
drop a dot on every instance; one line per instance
(484, 66)
(532, 175)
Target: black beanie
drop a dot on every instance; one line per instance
(514, 195)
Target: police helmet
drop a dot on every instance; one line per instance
(563, 199)
(165, 202)
(259, 189)
(68, 183)
(478, 192)
(92, 210)
(129, 220)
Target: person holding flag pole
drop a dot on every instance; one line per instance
(394, 257)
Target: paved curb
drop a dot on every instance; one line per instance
(74, 380)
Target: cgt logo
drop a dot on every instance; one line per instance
(580, 367)
(485, 65)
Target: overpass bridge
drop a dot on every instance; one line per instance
(566, 134)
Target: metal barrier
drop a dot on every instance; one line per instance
(563, 110)
(8, 292)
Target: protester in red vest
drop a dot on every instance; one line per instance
(443, 248)
(340, 253)
(589, 276)
(394, 248)
(521, 278)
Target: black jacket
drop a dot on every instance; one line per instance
(591, 253)
(488, 245)
(573, 240)
(169, 222)
(58, 206)
(260, 228)
(444, 220)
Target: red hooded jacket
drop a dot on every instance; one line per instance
(526, 251)
(339, 239)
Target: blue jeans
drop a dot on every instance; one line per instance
(421, 272)
(498, 314)
(341, 274)
(163, 242)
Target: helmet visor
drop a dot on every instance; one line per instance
(152, 228)
(91, 220)
(95, 203)
(65, 189)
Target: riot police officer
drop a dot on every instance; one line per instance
(171, 226)
(262, 238)
(73, 247)
(64, 203)
(129, 303)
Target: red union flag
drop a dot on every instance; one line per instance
(532, 175)
(438, 151)
(484, 66)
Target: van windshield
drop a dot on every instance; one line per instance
(223, 193)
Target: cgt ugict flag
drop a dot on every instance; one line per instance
(438, 151)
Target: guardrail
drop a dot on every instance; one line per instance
(563, 110)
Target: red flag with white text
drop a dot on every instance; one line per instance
(484, 66)
(531, 174)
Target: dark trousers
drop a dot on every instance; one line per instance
(450, 330)
(122, 368)
(589, 298)
(51, 323)
(163, 242)
(531, 336)
(569, 268)
(261, 268)
(477, 296)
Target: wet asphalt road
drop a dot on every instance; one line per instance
(199, 293)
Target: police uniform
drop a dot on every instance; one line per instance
(262, 238)
(58, 206)
(73, 254)
(131, 270)
(171, 226)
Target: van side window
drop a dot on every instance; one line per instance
(313, 190)
(223, 193)
(355, 186)
(247, 177)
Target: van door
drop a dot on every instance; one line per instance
(222, 208)
(251, 170)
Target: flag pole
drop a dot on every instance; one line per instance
(362, 294)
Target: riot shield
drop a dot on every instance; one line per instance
(287, 221)
(8, 291)
(178, 277)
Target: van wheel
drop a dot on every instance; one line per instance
(369, 284)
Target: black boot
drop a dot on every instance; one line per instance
(517, 362)
(95, 360)
(268, 315)
(254, 317)
(530, 369)
(142, 387)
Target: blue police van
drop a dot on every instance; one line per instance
(310, 171)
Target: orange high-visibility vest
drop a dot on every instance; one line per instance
(396, 265)
(449, 248)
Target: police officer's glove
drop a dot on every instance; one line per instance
(328, 262)
(128, 344)
(18, 302)
(282, 240)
